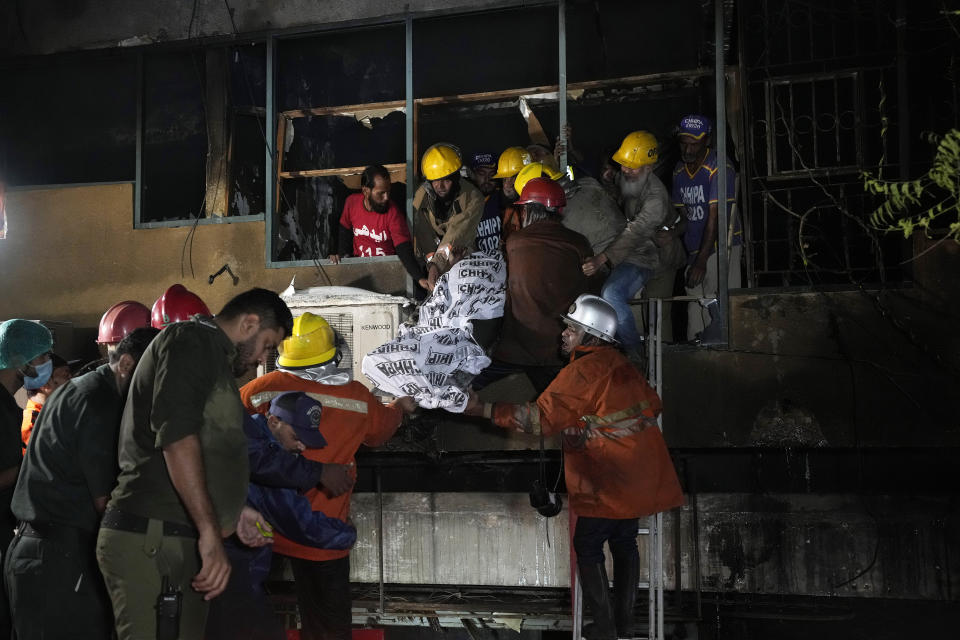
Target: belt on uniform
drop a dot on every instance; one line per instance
(61, 533)
(123, 521)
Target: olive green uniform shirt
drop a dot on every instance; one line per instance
(183, 386)
(72, 455)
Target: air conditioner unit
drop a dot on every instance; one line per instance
(363, 320)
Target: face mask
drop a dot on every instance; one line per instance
(43, 375)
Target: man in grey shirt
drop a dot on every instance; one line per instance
(634, 255)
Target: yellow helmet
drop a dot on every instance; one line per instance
(311, 343)
(440, 160)
(638, 149)
(512, 161)
(535, 170)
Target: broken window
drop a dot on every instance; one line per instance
(340, 101)
(203, 134)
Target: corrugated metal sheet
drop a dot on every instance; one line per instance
(460, 538)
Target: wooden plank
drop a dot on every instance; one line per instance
(640, 80)
(416, 144)
(217, 178)
(337, 171)
(278, 153)
(348, 108)
(485, 96)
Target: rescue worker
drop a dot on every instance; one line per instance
(65, 480)
(481, 170)
(351, 416)
(543, 278)
(590, 210)
(119, 320)
(509, 164)
(371, 225)
(446, 212)
(183, 466)
(277, 476)
(177, 304)
(38, 396)
(490, 227)
(616, 463)
(115, 324)
(24, 349)
(634, 256)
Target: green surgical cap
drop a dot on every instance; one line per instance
(21, 341)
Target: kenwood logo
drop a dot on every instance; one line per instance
(375, 327)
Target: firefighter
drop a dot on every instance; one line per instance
(509, 164)
(617, 466)
(543, 278)
(119, 320)
(634, 256)
(177, 304)
(350, 416)
(447, 211)
(115, 324)
(590, 210)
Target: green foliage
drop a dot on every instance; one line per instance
(915, 205)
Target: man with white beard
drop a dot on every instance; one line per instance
(634, 256)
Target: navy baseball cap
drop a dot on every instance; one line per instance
(695, 126)
(302, 413)
(483, 159)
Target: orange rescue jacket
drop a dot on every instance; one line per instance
(616, 461)
(351, 416)
(30, 413)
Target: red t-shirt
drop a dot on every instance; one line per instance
(374, 234)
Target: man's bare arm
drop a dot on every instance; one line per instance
(699, 267)
(184, 460)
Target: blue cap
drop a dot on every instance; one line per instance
(303, 413)
(483, 159)
(695, 126)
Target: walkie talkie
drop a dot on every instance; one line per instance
(168, 611)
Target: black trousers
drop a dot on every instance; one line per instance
(591, 533)
(55, 588)
(243, 611)
(323, 597)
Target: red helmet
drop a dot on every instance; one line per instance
(121, 319)
(545, 191)
(176, 305)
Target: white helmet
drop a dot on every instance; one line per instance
(594, 315)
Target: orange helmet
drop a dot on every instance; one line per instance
(120, 319)
(176, 304)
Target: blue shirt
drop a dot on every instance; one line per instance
(695, 193)
(490, 225)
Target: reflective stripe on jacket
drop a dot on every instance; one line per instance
(623, 470)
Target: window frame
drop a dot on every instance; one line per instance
(138, 222)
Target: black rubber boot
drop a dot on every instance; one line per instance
(596, 599)
(626, 578)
